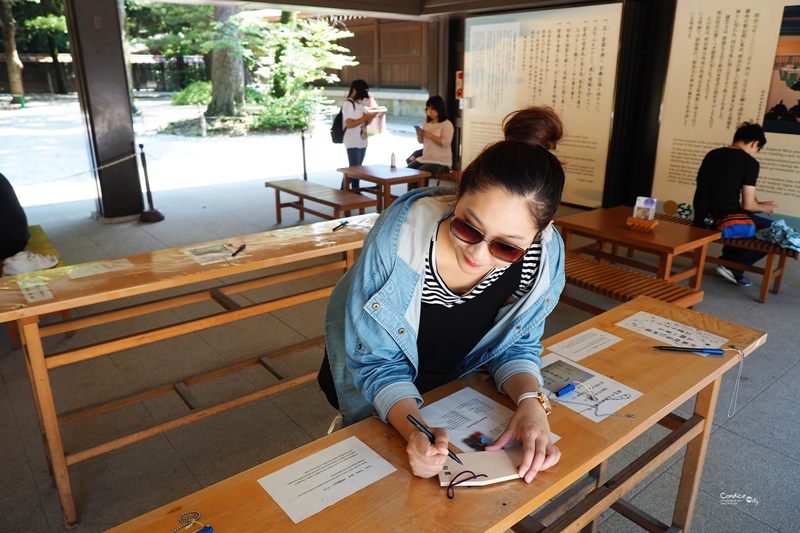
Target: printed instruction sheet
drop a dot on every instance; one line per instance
(213, 253)
(584, 344)
(93, 269)
(671, 332)
(325, 478)
(34, 289)
(595, 396)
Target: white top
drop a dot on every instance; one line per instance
(433, 152)
(352, 136)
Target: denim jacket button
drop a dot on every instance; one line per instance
(376, 306)
(359, 346)
(547, 300)
(401, 331)
(518, 327)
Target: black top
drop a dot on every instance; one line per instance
(719, 183)
(447, 334)
(13, 222)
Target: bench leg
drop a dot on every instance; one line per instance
(13, 333)
(776, 286)
(337, 213)
(767, 279)
(301, 208)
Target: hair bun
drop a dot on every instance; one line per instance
(535, 125)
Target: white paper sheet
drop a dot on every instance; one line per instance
(92, 269)
(34, 289)
(584, 344)
(325, 478)
(213, 253)
(595, 397)
(471, 419)
(671, 332)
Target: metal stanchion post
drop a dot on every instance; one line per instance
(152, 215)
(303, 141)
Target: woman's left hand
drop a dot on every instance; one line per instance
(529, 424)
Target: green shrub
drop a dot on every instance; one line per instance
(288, 112)
(198, 92)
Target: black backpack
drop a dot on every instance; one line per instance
(337, 129)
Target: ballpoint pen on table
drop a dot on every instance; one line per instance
(239, 249)
(340, 226)
(706, 351)
(432, 438)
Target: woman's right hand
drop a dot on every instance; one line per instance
(426, 459)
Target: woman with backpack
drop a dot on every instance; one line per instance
(355, 122)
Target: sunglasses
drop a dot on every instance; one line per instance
(503, 251)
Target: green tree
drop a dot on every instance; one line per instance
(171, 30)
(13, 64)
(302, 53)
(52, 25)
(227, 74)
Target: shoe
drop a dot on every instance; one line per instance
(726, 273)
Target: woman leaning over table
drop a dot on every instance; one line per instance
(436, 136)
(448, 285)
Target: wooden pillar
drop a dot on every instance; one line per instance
(96, 39)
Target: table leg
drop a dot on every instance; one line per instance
(566, 236)
(665, 267)
(345, 181)
(278, 204)
(43, 394)
(695, 457)
(387, 196)
(698, 264)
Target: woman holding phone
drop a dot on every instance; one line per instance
(435, 135)
(449, 284)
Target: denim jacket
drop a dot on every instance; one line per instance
(373, 315)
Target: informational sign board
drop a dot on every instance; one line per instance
(562, 58)
(732, 61)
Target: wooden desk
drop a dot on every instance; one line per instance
(383, 176)
(145, 274)
(402, 502)
(667, 240)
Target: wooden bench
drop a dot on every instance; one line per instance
(770, 272)
(340, 201)
(40, 244)
(621, 284)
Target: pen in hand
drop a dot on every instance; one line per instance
(707, 351)
(432, 438)
(239, 249)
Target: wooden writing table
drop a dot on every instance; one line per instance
(383, 176)
(151, 272)
(402, 502)
(667, 240)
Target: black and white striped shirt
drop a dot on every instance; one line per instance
(436, 292)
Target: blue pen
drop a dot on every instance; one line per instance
(706, 351)
(432, 438)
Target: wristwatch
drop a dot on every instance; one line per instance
(539, 396)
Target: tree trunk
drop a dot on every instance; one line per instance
(61, 81)
(279, 81)
(13, 64)
(227, 75)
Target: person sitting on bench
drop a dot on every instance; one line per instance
(14, 233)
(726, 184)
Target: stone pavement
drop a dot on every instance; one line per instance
(44, 150)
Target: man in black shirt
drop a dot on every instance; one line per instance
(14, 233)
(726, 184)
